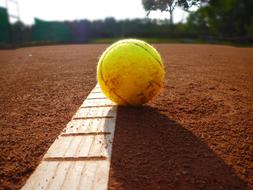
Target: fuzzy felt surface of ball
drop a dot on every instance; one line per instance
(130, 72)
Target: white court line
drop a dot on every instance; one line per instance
(80, 156)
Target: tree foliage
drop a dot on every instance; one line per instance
(226, 18)
(167, 5)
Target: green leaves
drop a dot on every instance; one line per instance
(166, 5)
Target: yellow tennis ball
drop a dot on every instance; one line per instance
(130, 72)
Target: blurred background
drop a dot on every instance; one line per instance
(44, 22)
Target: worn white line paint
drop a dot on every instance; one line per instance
(80, 157)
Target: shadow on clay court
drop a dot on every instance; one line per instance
(150, 151)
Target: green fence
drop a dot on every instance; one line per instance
(4, 27)
(50, 31)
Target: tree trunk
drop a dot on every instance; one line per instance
(171, 19)
(171, 16)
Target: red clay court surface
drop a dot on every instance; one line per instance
(197, 134)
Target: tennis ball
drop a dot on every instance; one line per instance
(130, 72)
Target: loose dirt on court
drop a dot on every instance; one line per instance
(197, 134)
